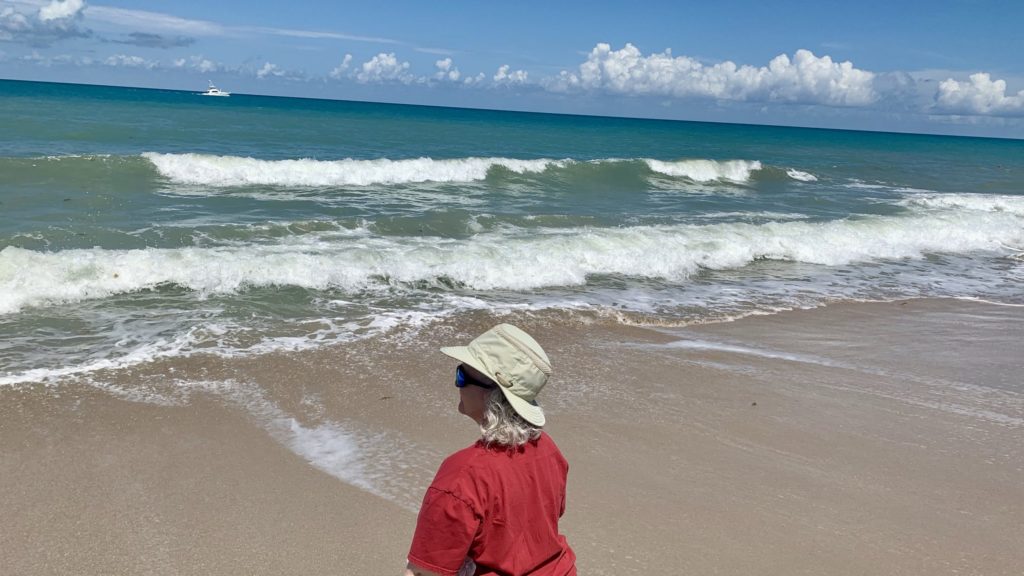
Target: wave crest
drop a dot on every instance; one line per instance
(223, 171)
(700, 170)
(210, 170)
(980, 202)
(506, 259)
(801, 175)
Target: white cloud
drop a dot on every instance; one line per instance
(61, 59)
(150, 40)
(144, 20)
(126, 61)
(53, 21)
(805, 78)
(197, 63)
(340, 69)
(157, 21)
(384, 68)
(60, 10)
(75, 60)
(316, 34)
(979, 95)
(194, 63)
(12, 22)
(35, 56)
(204, 65)
(505, 77)
(446, 70)
(474, 80)
(269, 69)
(437, 51)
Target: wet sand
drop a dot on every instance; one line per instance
(854, 439)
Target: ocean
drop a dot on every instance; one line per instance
(138, 225)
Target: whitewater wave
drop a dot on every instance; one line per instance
(212, 170)
(507, 259)
(138, 341)
(178, 345)
(801, 175)
(223, 171)
(700, 170)
(981, 202)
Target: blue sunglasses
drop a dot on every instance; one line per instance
(462, 379)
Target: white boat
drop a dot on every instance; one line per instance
(214, 91)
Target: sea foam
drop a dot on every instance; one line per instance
(237, 171)
(712, 346)
(351, 453)
(223, 171)
(801, 175)
(507, 259)
(981, 202)
(700, 170)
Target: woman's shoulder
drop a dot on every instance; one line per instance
(547, 445)
(462, 461)
(462, 472)
(481, 459)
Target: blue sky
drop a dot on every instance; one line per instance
(936, 67)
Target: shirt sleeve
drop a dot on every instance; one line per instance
(444, 532)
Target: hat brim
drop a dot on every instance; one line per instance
(462, 354)
(530, 411)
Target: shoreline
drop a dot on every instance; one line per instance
(854, 438)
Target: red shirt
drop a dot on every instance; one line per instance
(498, 507)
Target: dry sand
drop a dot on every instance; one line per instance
(856, 439)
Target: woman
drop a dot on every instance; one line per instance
(493, 508)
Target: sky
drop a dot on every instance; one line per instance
(940, 67)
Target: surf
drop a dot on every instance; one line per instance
(504, 258)
(226, 171)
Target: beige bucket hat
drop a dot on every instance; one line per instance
(514, 360)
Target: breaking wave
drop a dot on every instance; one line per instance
(223, 171)
(511, 258)
(801, 175)
(236, 171)
(707, 170)
(980, 202)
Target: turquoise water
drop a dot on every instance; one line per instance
(137, 224)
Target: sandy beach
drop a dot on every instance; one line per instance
(853, 439)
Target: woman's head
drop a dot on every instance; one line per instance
(474, 390)
(481, 400)
(502, 372)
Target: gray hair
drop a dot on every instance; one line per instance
(503, 425)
